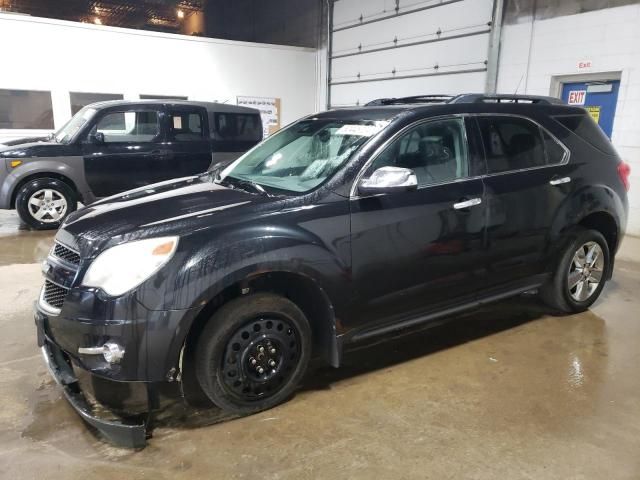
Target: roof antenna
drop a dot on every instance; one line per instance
(518, 87)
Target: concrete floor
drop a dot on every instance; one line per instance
(505, 392)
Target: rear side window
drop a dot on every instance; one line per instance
(511, 143)
(586, 128)
(556, 154)
(239, 127)
(185, 126)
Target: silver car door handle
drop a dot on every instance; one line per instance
(467, 203)
(559, 181)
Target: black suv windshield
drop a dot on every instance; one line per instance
(66, 133)
(303, 156)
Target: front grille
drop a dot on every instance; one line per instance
(66, 254)
(54, 295)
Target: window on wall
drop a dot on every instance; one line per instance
(162, 97)
(25, 109)
(81, 99)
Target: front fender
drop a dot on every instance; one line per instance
(69, 167)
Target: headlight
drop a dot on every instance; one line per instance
(124, 267)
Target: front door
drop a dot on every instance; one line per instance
(124, 150)
(599, 99)
(421, 249)
(527, 181)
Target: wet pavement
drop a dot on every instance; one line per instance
(505, 392)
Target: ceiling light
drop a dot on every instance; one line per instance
(97, 21)
(180, 13)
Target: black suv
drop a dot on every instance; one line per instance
(110, 147)
(345, 225)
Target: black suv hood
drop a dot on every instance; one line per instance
(173, 207)
(35, 149)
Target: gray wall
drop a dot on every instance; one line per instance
(522, 10)
(284, 22)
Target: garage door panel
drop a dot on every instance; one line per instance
(423, 25)
(347, 12)
(361, 93)
(409, 60)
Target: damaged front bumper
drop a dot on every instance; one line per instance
(121, 432)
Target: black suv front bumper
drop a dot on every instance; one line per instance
(122, 432)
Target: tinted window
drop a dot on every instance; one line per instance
(185, 126)
(137, 126)
(435, 151)
(80, 100)
(25, 109)
(586, 128)
(555, 153)
(237, 126)
(511, 143)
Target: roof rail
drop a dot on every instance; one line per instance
(408, 100)
(504, 98)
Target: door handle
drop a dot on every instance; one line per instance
(467, 203)
(559, 181)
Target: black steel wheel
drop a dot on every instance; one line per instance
(253, 352)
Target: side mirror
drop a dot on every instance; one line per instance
(388, 180)
(97, 137)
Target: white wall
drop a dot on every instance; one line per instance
(63, 57)
(452, 19)
(610, 39)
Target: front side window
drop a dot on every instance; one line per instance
(436, 151)
(25, 109)
(125, 127)
(511, 143)
(303, 156)
(185, 126)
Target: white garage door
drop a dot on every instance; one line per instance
(398, 48)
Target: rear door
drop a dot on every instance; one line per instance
(188, 141)
(131, 153)
(413, 251)
(527, 180)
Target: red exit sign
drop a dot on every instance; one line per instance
(577, 97)
(584, 64)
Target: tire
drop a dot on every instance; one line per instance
(228, 355)
(558, 293)
(61, 200)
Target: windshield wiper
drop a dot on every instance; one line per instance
(233, 181)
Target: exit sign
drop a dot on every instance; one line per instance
(577, 97)
(583, 64)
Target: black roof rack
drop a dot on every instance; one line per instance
(467, 98)
(505, 98)
(408, 100)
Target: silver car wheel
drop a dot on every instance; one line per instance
(47, 205)
(585, 271)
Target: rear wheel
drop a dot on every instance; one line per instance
(581, 274)
(43, 203)
(253, 353)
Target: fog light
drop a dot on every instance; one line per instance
(112, 352)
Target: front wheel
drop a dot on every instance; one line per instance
(253, 353)
(43, 203)
(581, 274)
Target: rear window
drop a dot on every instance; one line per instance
(239, 127)
(586, 128)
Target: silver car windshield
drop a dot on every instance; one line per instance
(304, 155)
(66, 133)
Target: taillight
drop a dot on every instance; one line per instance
(624, 170)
